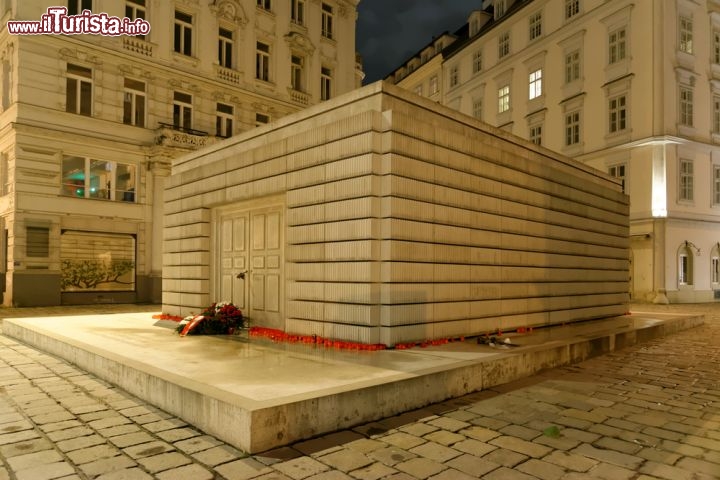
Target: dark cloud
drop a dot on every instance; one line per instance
(390, 31)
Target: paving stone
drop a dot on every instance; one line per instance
(51, 427)
(480, 433)
(391, 456)
(449, 424)
(187, 472)
(80, 442)
(91, 454)
(130, 439)
(164, 461)
(616, 458)
(52, 417)
(541, 469)
(660, 456)
(472, 465)
(618, 445)
(504, 457)
(167, 424)
(451, 474)
(374, 471)
(45, 471)
(420, 467)
(119, 430)
(22, 462)
(299, 468)
(520, 432)
(177, 434)
(69, 433)
(217, 455)
(127, 474)
(365, 445)
(521, 446)
(197, 444)
(25, 447)
(418, 429)
(699, 466)
(107, 422)
(705, 443)
(504, 473)
(474, 447)
(331, 475)
(403, 440)
(243, 469)
(580, 435)
(667, 471)
(108, 465)
(608, 471)
(147, 449)
(444, 437)
(489, 422)
(346, 460)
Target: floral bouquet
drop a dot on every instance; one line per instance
(220, 318)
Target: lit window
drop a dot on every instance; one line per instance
(617, 45)
(327, 21)
(477, 109)
(76, 7)
(326, 82)
(297, 11)
(477, 61)
(535, 80)
(572, 66)
(686, 180)
(572, 8)
(686, 107)
(79, 90)
(225, 48)
(535, 24)
(182, 110)
(504, 99)
(183, 33)
(572, 128)
(686, 35)
(134, 103)
(135, 9)
(296, 72)
(98, 179)
(618, 171)
(224, 120)
(504, 44)
(264, 4)
(617, 112)
(716, 184)
(536, 134)
(454, 76)
(262, 62)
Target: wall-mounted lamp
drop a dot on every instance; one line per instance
(692, 245)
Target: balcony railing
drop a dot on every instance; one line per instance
(228, 75)
(169, 135)
(299, 97)
(137, 45)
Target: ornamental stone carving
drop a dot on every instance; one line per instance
(298, 41)
(231, 11)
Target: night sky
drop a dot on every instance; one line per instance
(390, 31)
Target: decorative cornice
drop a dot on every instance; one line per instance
(231, 11)
(298, 41)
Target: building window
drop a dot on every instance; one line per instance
(296, 72)
(264, 4)
(685, 267)
(327, 21)
(477, 109)
(504, 98)
(134, 103)
(535, 25)
(716, 184)
(38, 242)
(500, 6)
(572, 66)
(433, 84)
(454, 76)
(618, 171)
(686, 35)
(326, 83)
(686, 107)
(716, 47)
(297, 11)
(418, 89)
(94, 261)
(535, 83)
(715, 266)
(617, 45)
(617, 110)
(225, 48)
(98, 179)
(572, 8)
(477, 61)
(261, 119)
(182, 110)
(79, 90)
(224, 120)
(504, 44)
(536, 134)
(716, 115)
(262, 61)
(183, 33)
(572, 128)
(76, 7)
(686, 180)
(135, 9)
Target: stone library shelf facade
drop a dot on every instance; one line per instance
(382, 217)
(89, 125)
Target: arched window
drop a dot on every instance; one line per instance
(715, 266)
(685, 264)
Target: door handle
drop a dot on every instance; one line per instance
(241, 275)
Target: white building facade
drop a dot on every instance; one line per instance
(629, 87)
(89, 125)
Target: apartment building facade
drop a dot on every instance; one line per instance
(631, 88)
(89, 125)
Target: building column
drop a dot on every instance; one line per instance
(160, 170)
(659, 274)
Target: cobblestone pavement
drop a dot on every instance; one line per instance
(651, 411)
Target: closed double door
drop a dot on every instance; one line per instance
(249, 273)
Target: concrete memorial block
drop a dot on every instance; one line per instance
(400, 220)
